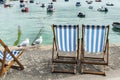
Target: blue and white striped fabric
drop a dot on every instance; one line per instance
(94, 37)
(66, 37)
(8, 56)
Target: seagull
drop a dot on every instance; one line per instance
(38, 41)
(24, 43)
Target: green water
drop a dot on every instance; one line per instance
(65, 13)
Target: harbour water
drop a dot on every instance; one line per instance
(37, 19)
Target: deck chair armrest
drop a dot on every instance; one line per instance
(107, 43)
(78, 48)
(107, 51)
(106, 46)
(78, 44)
(54, 48)
(5, 46)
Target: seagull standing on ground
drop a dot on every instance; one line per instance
(24, 43)
(38, 41)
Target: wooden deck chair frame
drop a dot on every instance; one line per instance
(104, 58)
(56, 55)
(6, 66)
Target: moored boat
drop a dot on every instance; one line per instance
(81, 15)
(31, 1)
(116, 25)
(50, 8)
(21, 1)
(25, 9)
(89, 2)
(98, 1)
(66, 0)
(43, 5)
(2, 1)
(7, 4)
(54, 0)
(78, 4)
(102, 9)
(90, 7)
(109, 4)
(22, 5)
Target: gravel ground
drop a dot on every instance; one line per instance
(37, 63)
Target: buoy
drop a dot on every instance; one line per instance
(26, 9)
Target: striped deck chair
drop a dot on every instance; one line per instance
(94, 42)
(65, 43)
(8, 58)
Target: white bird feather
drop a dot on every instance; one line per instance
(25, 43)
(38, 41)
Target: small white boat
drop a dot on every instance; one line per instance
(89, 2)
(116, 25)
(109, 4)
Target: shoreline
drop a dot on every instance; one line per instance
(49, 46)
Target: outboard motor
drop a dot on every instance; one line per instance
(106, 10)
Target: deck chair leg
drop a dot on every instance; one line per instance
(2, 72)
(6, 67)
(104, 66)
(75, 66)
(21, 66)
(53, 65)
(81, 70)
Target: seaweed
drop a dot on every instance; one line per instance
(18, 36)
